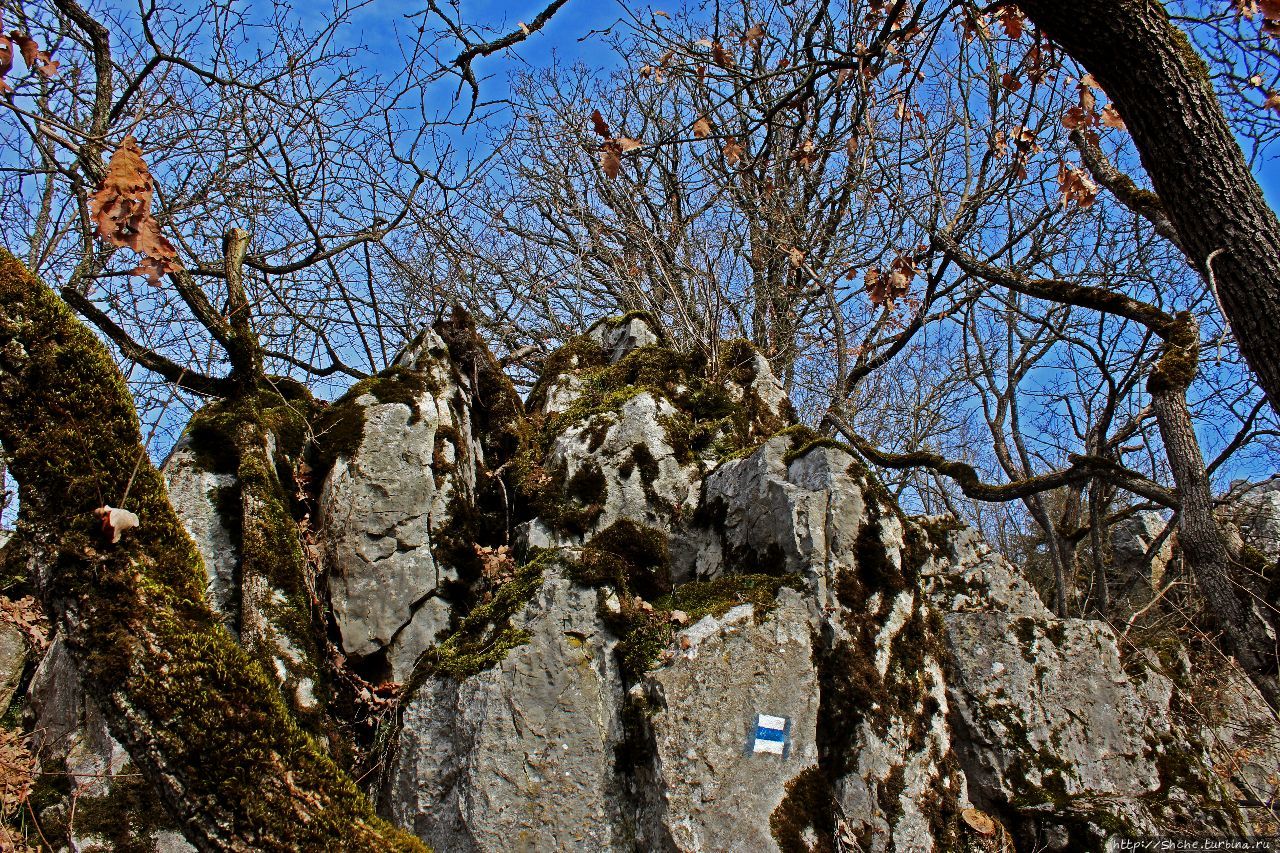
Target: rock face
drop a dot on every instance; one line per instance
(89, 770)
(383, 501)
(646, 610)
(711, 574)
(200, 498)
(712, 790)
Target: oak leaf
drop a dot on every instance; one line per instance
(35, 58)
(1076, 187)
(600, 126)
(121, 210)
(733, 151)
(754, 36)
(1011, 19)
(702, 128)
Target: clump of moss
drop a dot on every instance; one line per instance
(128, 816)
(630, 557)
(716, 597)
(485, 635)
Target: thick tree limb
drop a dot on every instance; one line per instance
(204, 724)
(1082, 468)
(170, 371)
(1162, 89)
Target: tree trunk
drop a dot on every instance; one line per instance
(1162, 89)
(1245, 630)
(203, 723)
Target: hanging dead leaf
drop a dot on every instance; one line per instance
(6, 63)
(721, 56)
(611, 158)
(626, 143)
(1272, 102)
(978, 821)
(806, 155)
(36, 59)
(754, 36)
(121, 210)
(600, 126)
(1111, 117)
(795, 256)
(1076, 187)
(702, 128)
(1270, 9)
(733, 151)
(1011, 19)
(115, 521)
(1010, 81)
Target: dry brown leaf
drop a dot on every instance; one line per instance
(600, 126)
(721, 56)
(17, 772)
(1011, 19)
(626, 143)
(121, 211)
(806, 155)
(795, 256)
(1272, 102)
(1076, 187)
(702, 128)
(1270, 9)
(6, 62)
(115, 521)
(35, 58)
(980, 822)
(1010, 81)
(754, 36)
(611, 158)
(733, 151)
(885, 287)
(26, 615)
(1111, 117)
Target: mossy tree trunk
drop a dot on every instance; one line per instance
(199, 717)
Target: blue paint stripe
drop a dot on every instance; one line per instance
(770, 734)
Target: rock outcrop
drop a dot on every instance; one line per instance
(646, 609)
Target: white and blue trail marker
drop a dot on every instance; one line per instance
(773, 735)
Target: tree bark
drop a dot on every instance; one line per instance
(1246, 632)
(1162, 89)
(203, 722)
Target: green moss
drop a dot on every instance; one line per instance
(200, 709)
(486, 635)
(716, 597)
(127, 816)
(630, 557)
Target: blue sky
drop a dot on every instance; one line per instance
(568, 38)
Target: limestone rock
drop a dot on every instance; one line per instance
(71, 740)
(520, 756)
(13, 660)
(713, 791)
(1055, 732)
(381, 505)
(1131, 539)
(200, 498)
